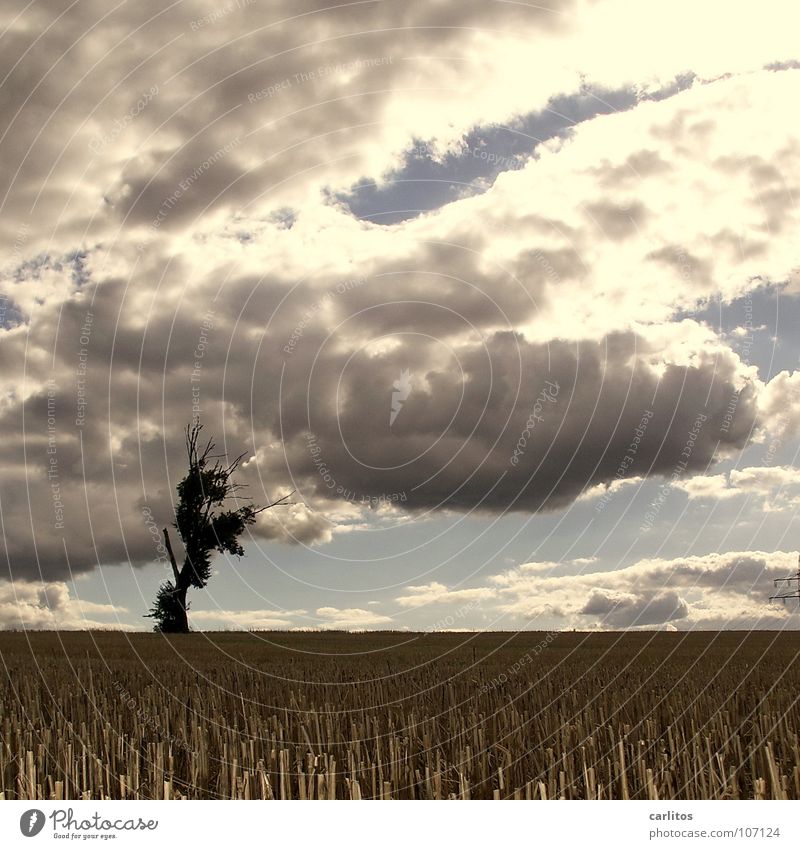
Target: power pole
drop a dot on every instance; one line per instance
(791, 588)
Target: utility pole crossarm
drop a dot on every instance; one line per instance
(792, 588)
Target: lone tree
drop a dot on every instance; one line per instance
(204, 527)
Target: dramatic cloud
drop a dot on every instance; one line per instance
(779, 486)
(323, 619)
(31, 606)
(710, 591)
(781, 405)
(436, 593)
(177, 244)
(623, 610)
(350, 618)
(707, 486)
(243, 620)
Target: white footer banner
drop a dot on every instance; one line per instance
(224, 824)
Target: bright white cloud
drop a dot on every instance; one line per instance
(707, 486)
(606, 491)
(781, 407)
(244, 620)
(727, 590)
(349, 618)
(779, 486)
(765, 480)
(436, 593)
(26, 605)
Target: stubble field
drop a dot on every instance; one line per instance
(398, 715)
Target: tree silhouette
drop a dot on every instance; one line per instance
(204, 526)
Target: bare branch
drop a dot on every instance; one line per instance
(206, 455)
(235, 464)
(283, 501)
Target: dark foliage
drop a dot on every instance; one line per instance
(205, 527)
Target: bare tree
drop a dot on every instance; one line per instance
(204, 526)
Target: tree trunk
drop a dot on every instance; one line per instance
(181, 617)
(179, 623)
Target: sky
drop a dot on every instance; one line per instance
(507, 293)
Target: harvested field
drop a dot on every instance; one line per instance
(400, 715)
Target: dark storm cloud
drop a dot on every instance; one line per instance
(481, 427)
(614, 611)
(443, 291)
(454, 439)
